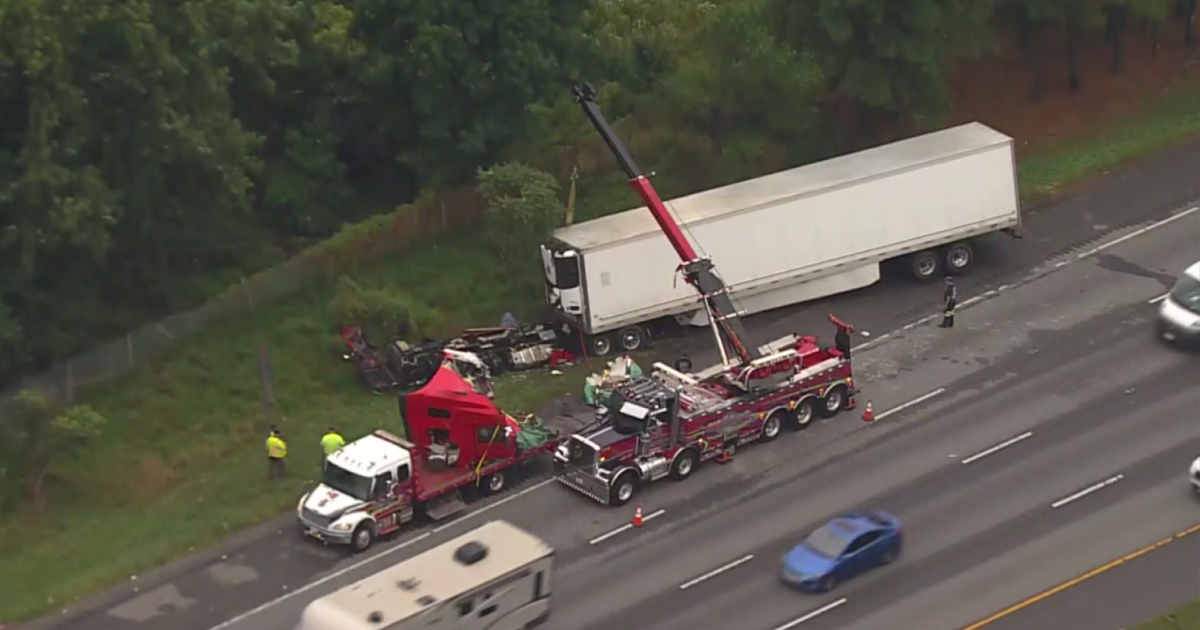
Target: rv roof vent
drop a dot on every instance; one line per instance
(408, 584)
(426, 600)
(375, 617)
(470, 553)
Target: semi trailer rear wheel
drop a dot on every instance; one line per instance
(958, 257)
(632, 338)
(925, 265)
(601, 346)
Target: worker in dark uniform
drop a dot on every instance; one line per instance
(949, 303)
(841, 339)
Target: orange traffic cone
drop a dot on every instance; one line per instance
(637, 517)
(868, 413)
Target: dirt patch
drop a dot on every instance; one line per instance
(140, 482)
(999, 90)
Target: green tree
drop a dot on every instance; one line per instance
(736, 81)
(447, 85)
(523, 208)
(1117, 16)
(887, 56)
(43, 439)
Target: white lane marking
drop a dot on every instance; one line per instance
(916, 401)
(1158, 299)
(717, 571)
(997, 448)
(1086, 491)
(624, 528)
(365, 561)
(1138, 232)
(820, 611)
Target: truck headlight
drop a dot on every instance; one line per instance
(340, 527)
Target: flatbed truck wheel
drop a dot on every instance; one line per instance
(494, 483)
(364, 537)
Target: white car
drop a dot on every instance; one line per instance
(1194, 475)
(1179, 315)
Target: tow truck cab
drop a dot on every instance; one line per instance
(1179, 313)
(368, 481)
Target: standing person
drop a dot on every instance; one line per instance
(276, 454)
(841, 339)
(949, 303)
(331, 442)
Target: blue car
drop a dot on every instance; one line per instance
(841, 549)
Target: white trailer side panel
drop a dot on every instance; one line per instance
(802, 224)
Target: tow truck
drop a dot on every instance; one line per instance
(458, 445)
(665, 423)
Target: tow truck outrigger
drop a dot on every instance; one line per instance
(667, 422)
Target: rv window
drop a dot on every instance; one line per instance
(465, 608)
(487, 611)
(490, 435)
(434, 412)
(402, 474)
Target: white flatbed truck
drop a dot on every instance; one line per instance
(495, 577)
(789, 237)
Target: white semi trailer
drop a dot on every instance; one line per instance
(791, 236)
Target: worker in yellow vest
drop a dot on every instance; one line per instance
(331, 442)
(276, 454)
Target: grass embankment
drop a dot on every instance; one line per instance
(181, 465)
(1182, 618)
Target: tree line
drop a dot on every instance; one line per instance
(152, 152)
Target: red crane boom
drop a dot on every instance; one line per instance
(697, 271)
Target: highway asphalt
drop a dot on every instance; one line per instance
(1118, 595)
(1091, 314)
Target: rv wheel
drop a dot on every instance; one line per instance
(364, 537)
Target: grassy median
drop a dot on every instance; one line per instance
(1183, 618)
(181, 465)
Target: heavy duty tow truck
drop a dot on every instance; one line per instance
(667, 422)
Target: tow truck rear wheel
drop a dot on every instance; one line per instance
(802, 416)
(623, 489)
(363, 538)
(773, 425)
(494, 483)
(834, 401)
(683, 465)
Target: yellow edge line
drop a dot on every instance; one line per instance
(1083, 578)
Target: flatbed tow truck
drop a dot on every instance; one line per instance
(459, 446)
(665, 423)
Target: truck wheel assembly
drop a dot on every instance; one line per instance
(925, 265)
(364, 537)
(683, 465)
(958, 257)
(834, 401)
(623, 489)
(495, 482)
(601, 346)
(773, 425)
(632, 338)
(802, 416)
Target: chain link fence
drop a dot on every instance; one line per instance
(389, 234)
